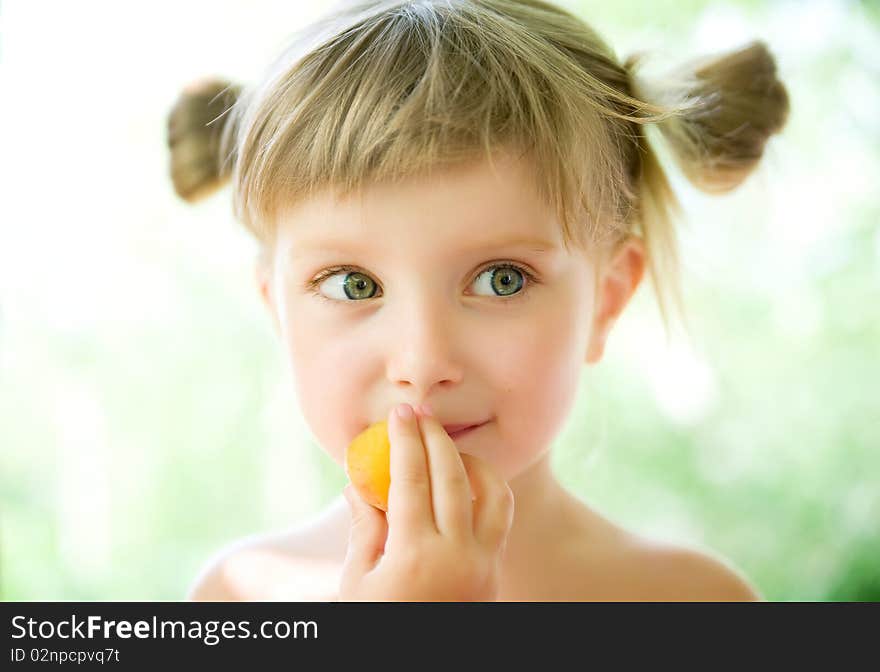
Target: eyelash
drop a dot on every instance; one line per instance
(315, 283)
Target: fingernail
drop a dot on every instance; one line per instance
(405, 411)
(424, 409)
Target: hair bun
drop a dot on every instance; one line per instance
(195, 125)
(743, 103)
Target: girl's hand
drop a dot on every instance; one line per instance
(435, 544)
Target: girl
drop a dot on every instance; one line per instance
(455, 200)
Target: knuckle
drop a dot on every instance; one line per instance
(476, 572)
(357, 523)
(407, 565)
(413, 479)
(413, 561)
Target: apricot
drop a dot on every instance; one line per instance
(368, 464)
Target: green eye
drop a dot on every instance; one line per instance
(502, 280)
(353, 285)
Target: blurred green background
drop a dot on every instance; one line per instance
(147, 416)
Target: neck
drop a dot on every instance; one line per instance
(542, 513)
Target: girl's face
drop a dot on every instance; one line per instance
(452, 290)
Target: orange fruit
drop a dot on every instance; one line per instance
(368, 464)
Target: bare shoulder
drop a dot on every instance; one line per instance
(302, 564)
(264, 569)
(611, 563)
(213, 583)
(686, 574)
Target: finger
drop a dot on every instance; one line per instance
(494, 504)
(450, 488)
(367, 534)
(409, 494)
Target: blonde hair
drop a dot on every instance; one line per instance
(382, 90)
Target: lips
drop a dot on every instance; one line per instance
(457, 428)
(462, 430)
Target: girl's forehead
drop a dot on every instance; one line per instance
(337, 245)
(479, 204)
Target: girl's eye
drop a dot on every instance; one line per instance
(347, 282)
(503, 280)
(344, 282)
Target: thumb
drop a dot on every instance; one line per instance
(367, 535)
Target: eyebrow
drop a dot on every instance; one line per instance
(346, 246)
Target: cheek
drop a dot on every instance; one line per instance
(328, 399)
(538, 374)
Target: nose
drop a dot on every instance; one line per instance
(423, 344)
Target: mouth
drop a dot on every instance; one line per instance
(459, 432)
